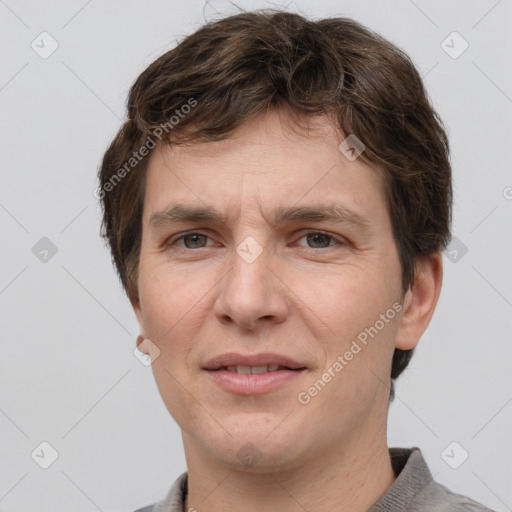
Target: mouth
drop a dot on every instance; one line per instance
(254, 374)
(255, 370)
(257, 363)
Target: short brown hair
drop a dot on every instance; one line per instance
(238, 67)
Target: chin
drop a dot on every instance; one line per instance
(254, 446)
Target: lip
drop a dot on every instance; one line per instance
(252, 384)
(234, 359)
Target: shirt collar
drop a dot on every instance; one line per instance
(411, 470)
(412, 475)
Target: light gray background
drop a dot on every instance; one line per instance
(67, 372)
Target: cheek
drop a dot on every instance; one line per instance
(346, 300)
(359, 324)
(176, 395)
(170, 299)
(171, 322)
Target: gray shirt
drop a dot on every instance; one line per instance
(414, 490)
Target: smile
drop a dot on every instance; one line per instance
(253, 380)
(254, 370)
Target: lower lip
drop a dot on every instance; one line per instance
(253, 384)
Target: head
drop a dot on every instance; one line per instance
(250, 119)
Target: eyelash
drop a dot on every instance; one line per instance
(173, 241)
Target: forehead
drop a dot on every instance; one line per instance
(268, 163)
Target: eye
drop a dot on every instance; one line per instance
(196, 240)
(192, 240)
(320, 240)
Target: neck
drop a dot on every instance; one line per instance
(350, 478)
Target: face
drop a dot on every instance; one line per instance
(259, 279)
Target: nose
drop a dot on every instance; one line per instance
(252, 295)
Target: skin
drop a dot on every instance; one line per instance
(308, 299)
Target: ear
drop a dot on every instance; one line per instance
(420, 301)
(141, 345)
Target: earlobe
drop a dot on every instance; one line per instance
(142, 345)
(420, 301)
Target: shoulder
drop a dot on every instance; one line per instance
(175, 499)
(437, 497)
(415, 489)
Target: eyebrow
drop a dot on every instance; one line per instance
(331, 212)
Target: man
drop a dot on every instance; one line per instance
(276, 205)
